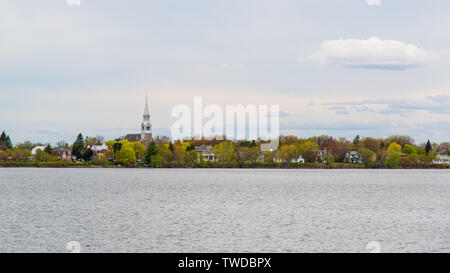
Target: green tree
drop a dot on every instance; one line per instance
(27, 145)
(87, 155)
(421, 151)
(179, 152)
(152, 151)
(287, 152)
(117, 147)
(158, 161)
(19, 154)
(190, 147)
(409, 149)
(3, 155)
(171, 146)
(428, 147)
(225, 151)
(3, 137)
(371, 143)
(248, 154)
(268, 156)
(394, 148)
(139, 149)
(41, 156)
(8, 143)
(306, 150)
(402, 140)
(393, 161)
(101, 160)
(415, 159)
(78, 146)
(356, 140)
(48, 149)
(367, 156)
(110, 143)
(329, 159)
(126, 155)
(5, 141)
(165, 155)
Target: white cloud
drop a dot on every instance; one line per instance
(373, 53)
(373, 2)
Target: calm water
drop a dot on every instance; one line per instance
(126, 210)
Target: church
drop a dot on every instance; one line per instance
(145, 137)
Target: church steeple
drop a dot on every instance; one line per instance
(146, 127)
(146, 112)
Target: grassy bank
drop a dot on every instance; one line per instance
(231, 165)
(56, 164)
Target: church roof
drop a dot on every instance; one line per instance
(133, 137)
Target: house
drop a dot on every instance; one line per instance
(352, 157)
(271, 147)
(63, 153)
(442, 158)
(205, 152)
(35, 149)
(99, 149)
(300, 159)
(319, 155)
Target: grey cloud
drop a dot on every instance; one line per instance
(439, 104)
(284, 114)
(339, 110)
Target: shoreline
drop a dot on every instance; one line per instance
(216, 165)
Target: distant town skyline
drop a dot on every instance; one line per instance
(342, 68)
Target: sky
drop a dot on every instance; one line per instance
(336, 67)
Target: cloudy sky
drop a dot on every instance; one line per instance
(339, 67)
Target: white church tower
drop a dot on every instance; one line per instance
(146, 127)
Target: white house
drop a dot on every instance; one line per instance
(353, 157)
(300, 159)
(206, 153)
(99, 149)
(35, 149)
(442, 159)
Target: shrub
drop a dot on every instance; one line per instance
(393, 161)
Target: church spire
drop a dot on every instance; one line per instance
(146, 127)
(146, 111)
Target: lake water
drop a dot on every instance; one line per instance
(224, 210)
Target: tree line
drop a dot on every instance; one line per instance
(391, 152)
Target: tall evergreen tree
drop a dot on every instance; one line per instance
(356, 140)
(5, 141)
(8, 143)
(3, 137)
(117, 147)
(428, 147)
(48, 149)
(78, 146)
(171, 146)
(87, 155)
(189, 148)
(152, 150)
